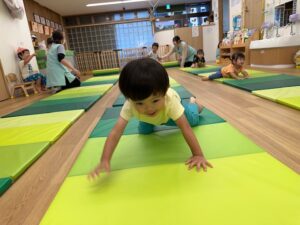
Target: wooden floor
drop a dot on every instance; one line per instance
(274, 127)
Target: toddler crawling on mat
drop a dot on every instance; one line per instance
(145, 84)
(233, 70)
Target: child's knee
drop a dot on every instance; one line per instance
(145, 128)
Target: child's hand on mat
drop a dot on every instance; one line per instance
(198, 162)
(103, 166)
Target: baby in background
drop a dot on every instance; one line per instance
(199, 60)
(233, 70)
(153, 54)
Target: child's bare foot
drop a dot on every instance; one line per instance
(193, 100)
(204, 78)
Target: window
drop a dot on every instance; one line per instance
(282, 13)
(133, 35)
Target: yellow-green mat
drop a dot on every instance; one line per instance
(165, 147)
(29, 120)
(278, 93)
(249, 189)
(37, 131)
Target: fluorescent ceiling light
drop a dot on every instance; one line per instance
(114, 3)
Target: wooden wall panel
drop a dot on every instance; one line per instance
(32, 7)
(273, 56)
(185, 34)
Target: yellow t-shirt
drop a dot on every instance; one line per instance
(172, 110)
(230, 69)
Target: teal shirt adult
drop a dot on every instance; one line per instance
(57, 72)
(186, 51)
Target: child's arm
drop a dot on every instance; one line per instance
(245, 74)
(234, 76)
(27, 60)
(109, 147)
(197, 160)
(67, 64)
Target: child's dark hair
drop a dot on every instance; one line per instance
(57, 37)
(20, 54)
(237, 55)
(200, 51)
(219, 44)
(155, 44)
(49, 41)
(141, 78)
(176, 38)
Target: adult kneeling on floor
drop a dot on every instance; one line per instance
(60, 72)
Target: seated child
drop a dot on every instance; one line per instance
(199, 60)
(145, 84)
(153, 54)
(26, 69)
(233, 70)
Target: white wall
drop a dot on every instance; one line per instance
(14, 33)
(270, 17)
(164, 37)
(235, 9)
(210, 41)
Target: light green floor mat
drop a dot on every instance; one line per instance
(170, 64)
(217, 140)
(278, 93)
(81, 92)
(5, 183)
(105, 72)
(55, 117)
(32, 134)
(249, 189)
(15, 159)
(293, 102)
(94, 79)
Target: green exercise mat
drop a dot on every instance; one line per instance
(57, 105)
(217, 140)
(249, 189)
(276, 93)
(15, 159)
(110, 116)
(197, 71)
(5, 183)
(263, 83)
(104, 72)
(170, 64)
(252, 75)
(29, 120)
(293, 102)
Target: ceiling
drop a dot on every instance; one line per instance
(76, 7)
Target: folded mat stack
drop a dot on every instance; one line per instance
(149, 183)
(23, 139)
